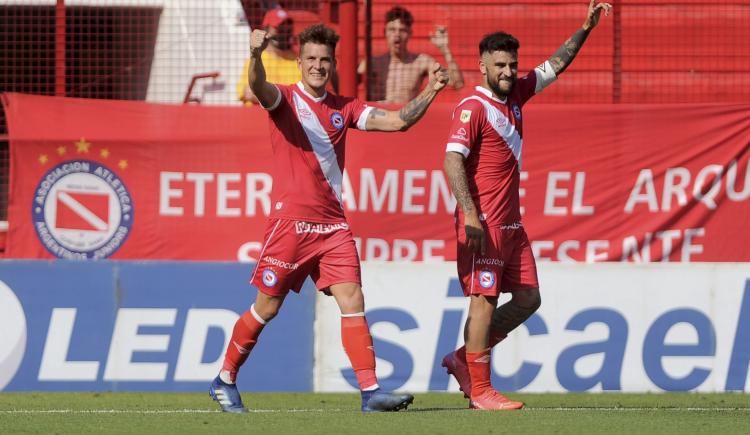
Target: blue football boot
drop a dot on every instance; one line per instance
(227, 395)
(379, 401)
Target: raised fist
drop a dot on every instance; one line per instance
(258, 42)
(438, 77)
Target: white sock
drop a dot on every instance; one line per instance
(225, 377)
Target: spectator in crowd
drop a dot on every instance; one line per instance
(396, 76)
(279, 58)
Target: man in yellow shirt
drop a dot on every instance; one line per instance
(279, 59)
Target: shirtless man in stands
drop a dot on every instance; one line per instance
(397, 75)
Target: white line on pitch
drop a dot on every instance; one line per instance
(150, 411)
(208, 411)
(621, 409)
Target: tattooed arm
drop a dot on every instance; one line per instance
(568, 51)
(401, 120)
(456, 172)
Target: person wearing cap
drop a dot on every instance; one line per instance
(396, 76)
(279, 58)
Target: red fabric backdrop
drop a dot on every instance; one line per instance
(600, 182)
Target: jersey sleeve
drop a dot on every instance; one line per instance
(359, 111)
(535, 81)
(284, 95)
(466, 127)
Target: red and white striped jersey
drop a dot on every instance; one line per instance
(308, 137)
(489, 133)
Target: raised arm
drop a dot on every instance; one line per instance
(401, 120)
(440, 40)
(568, 51)
(456, 172)
(266, 93)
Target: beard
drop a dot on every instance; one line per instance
(495, 86)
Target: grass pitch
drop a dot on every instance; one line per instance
(434, 413)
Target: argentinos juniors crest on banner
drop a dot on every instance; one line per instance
(82, 208)
(99, 179)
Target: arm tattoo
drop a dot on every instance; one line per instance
(568, 51)
(375, 113)
(454, 168)
(415, 108)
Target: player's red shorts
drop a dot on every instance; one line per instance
(294, 250)
(507, 264)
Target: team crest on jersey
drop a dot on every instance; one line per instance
(486, 278)
(337, 120)
(517, 112)
(82, 210)
(465, 116)
(269, 278)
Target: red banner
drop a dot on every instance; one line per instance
(131, 180)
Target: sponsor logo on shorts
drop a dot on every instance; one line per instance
(82, 209)
(489, 262)
(486, 278)
(517, 112)
(460, 134)
(279, 263)
(465, 116)
(269, 278)
(337, 120)
(311, 227)
(513, 226)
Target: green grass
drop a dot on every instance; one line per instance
(435, 413)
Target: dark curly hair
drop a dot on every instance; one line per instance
(399, 13)
(499, 41)
(319, 34)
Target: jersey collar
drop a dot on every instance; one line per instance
(490, 95)
(316, 99)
